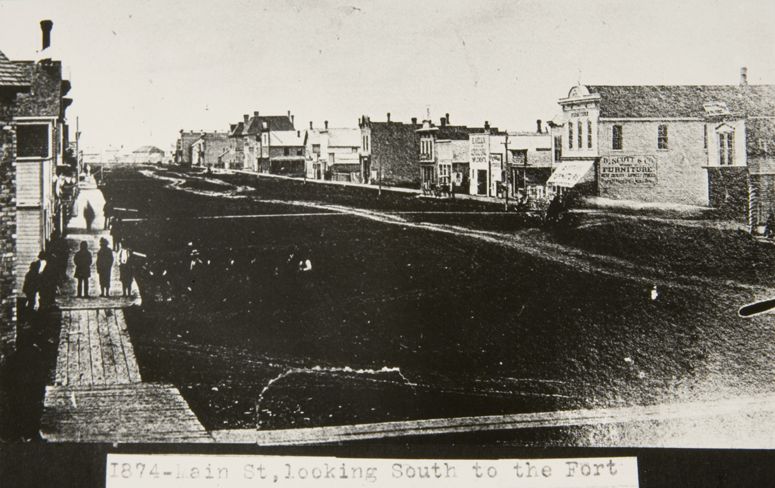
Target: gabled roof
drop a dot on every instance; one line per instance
(673, 101)
(273, 122)
(13, 73)
(240, 127)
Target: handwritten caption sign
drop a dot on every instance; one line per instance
(174, 470)
(639, 170)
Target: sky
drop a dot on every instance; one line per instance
(142, 70)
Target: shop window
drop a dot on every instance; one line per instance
(570, 135)
(616, 137)
(662, 137)
(589, 134)
(33, 141)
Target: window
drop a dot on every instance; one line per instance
(616, 137)
(726, 148)
(589, 134)
(354, 150)
(557, 148)
(426, 148)
(316, 149)
(662, 137)
(33, 141)
(705, 136)
(286, 151)
(331, 158)
(298, 152)
(580, 135)
(570, 135)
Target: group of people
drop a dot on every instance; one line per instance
(40, 284)
(83, 264)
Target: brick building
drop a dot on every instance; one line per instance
(332, 153)
(33, 140)
(389, 152)
(698, 144)
(186, 139)
(212, 149)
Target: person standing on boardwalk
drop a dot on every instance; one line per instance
(48, 277)
(83, 262)
(104, 266)
(125, 271)
(30, 287)
(115, 233)
(106, 213)
(89, 216)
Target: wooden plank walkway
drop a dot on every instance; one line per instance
(98, 394)
(95, 349)
(741, 414)
(139, 412)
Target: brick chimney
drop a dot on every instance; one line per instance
(487, 124)
(292, 117)
(743, 76)
(45, 28)
(446, 117)
(443, 121)
(310, 124)
(255, 114)
(298, 133)
(388, 116)
(414, 120)
(245, 118)
(539, 126)
(325, 123)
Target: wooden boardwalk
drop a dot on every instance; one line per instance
(138, 412)
(94, 349)
(97, 393)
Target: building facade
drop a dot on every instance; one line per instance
(186, 139)
(267, 143)
(33, 140)
(212, 149)
(389, 152)
(697, 145)
(333, 153)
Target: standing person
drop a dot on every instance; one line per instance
(83, 262)
(30, 287)
(88, 216)
(48, 277)
(104, 267)
(115, 233)
(125, 271)
(106, 214)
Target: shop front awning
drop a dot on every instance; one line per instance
(569, 173)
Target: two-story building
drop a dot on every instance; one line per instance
(333, 153)
(262, 142)
(212, 149)
(183, 153)
(446, 158)
(388, 152)
(672, 144)
(33, 139)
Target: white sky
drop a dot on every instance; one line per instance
(142, 70)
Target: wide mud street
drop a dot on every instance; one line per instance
(406, 317)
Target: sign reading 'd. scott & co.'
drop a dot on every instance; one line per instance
(628, 170)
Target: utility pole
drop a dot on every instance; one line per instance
(507, 169)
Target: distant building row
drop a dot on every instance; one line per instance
(701, 145)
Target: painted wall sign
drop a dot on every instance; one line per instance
(628, 170)
(480, 149)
